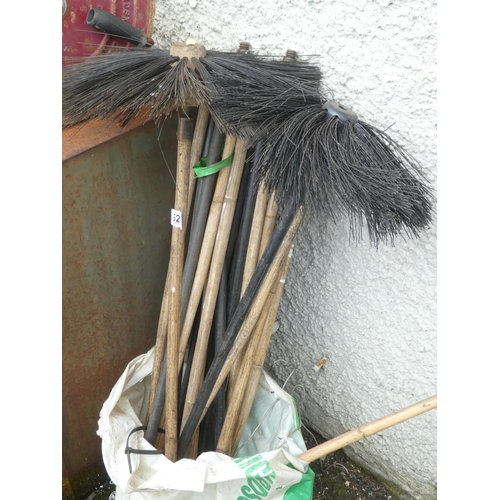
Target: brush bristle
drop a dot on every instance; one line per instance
(243, 91)
(346, 169)
(249, 91)
(126, 83)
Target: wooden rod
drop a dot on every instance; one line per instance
(184, 142)
(254, 242)
(369, 429)
(269, 223)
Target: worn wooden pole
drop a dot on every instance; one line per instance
(184, 140)
(254, 244)
(269, 223)
(369, 429)
(196, 148)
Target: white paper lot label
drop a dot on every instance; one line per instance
(176, 218)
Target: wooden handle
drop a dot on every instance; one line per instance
(269, 223)
(196, 147)
(184, 141)
(369, 429)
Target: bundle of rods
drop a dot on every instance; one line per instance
(257, 146)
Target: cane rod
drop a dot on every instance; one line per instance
(184, 140)
(212, 285)
(369, 429)
(269, 223)
(253, 252)
(243, 320)
(159, 370)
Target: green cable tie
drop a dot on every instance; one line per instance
(201, 169)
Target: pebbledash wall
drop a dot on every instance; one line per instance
(372, 312)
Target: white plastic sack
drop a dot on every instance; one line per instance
(265, 467)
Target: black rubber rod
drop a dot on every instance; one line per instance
(203, 198)
(240, 250)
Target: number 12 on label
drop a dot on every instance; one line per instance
(176, 218)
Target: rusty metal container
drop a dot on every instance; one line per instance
(117, 195)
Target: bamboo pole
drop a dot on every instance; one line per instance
(269, 223)
(253, 252)
(196, 148)
(212, 285)
(184, 143)
(369, 429)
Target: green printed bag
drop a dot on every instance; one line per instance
(265, 466)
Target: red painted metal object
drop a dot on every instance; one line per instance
(81, 40)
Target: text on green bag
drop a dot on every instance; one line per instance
(259, 475)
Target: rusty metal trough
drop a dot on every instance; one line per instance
(117, 194)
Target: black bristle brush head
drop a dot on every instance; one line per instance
(125, 83)
(242, 90)
(248, 92)
(325, 159)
